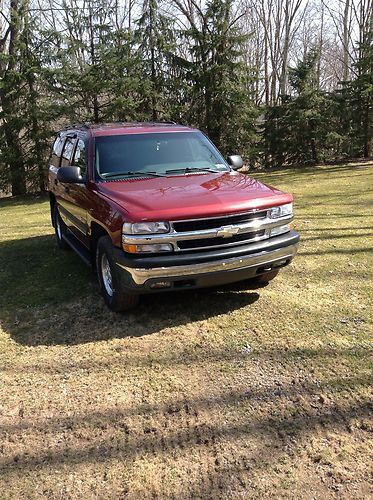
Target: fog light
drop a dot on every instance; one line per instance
(276, 231)
(161, 284)
(280, 263)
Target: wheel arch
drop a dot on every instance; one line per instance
(97, 231)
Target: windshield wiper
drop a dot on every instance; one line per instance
(143, 173)
(192, 169)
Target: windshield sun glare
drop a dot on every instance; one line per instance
(156, 154)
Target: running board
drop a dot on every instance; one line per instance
(78, 248)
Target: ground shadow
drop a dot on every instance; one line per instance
(52, 298)
(128, 445)
(24, 200)
(292, 173)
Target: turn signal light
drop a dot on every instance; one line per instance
(148, 248)
(130, 248)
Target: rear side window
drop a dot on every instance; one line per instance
(56, 151)
(67, 152)
(80, 157)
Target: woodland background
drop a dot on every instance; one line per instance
(282, 82)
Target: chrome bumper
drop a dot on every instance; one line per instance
(141, 275)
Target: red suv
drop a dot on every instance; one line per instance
(155, 207)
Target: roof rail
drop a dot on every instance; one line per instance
(77, 125)
(88, 125)
(169, 122)
(160, 122)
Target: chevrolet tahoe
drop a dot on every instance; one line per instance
(154, 207)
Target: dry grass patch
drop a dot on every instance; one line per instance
(233, 392)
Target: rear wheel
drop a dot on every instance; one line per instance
(109, 280)
(60, 229)
(266, 277)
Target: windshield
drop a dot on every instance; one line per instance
(156, 153)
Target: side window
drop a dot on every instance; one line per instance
(80, 157)
(67, 152)
(56, 151)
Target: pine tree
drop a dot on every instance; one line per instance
(217, 77)
(37, 106)
(156, 42)
(295, 131)
(362, 97)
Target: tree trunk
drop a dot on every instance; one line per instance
(367, 131)
(96, 115)
(8, 102)
(321, 43)
(17, 167)
(266, 78)
(153, 63)
(346, 37)
(285, 53)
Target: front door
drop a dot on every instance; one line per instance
(75, 199)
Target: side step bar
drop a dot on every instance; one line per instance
(80, 249)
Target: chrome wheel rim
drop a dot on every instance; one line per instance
(106, 275)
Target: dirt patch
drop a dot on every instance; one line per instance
(234, 392)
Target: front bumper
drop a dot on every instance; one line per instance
(144, 274)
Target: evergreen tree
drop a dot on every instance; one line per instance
(88, 64)
(156, 41)
(75, 66)
(37, 106)
(295, 131)
(361, 102)
(217, 78)
(351, 109)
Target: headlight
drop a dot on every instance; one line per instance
(146, 227)
(281, 211)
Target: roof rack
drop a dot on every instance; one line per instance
(77, 125)
(157, 122)
(166, 122)
(88, 125)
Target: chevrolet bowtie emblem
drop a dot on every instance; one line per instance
(227, 231)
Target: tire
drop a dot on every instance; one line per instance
(266, 277)
(59, 229)
(109, 279)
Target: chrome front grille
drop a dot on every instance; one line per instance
(219, 241)
(214, 232)
(217, 222)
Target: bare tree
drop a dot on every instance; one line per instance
(9, 51)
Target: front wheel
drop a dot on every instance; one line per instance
(109, 280)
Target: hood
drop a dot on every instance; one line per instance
(191, 196)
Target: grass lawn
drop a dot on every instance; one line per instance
(234, 392)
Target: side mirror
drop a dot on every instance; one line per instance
(235, 161)
(70, 175)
